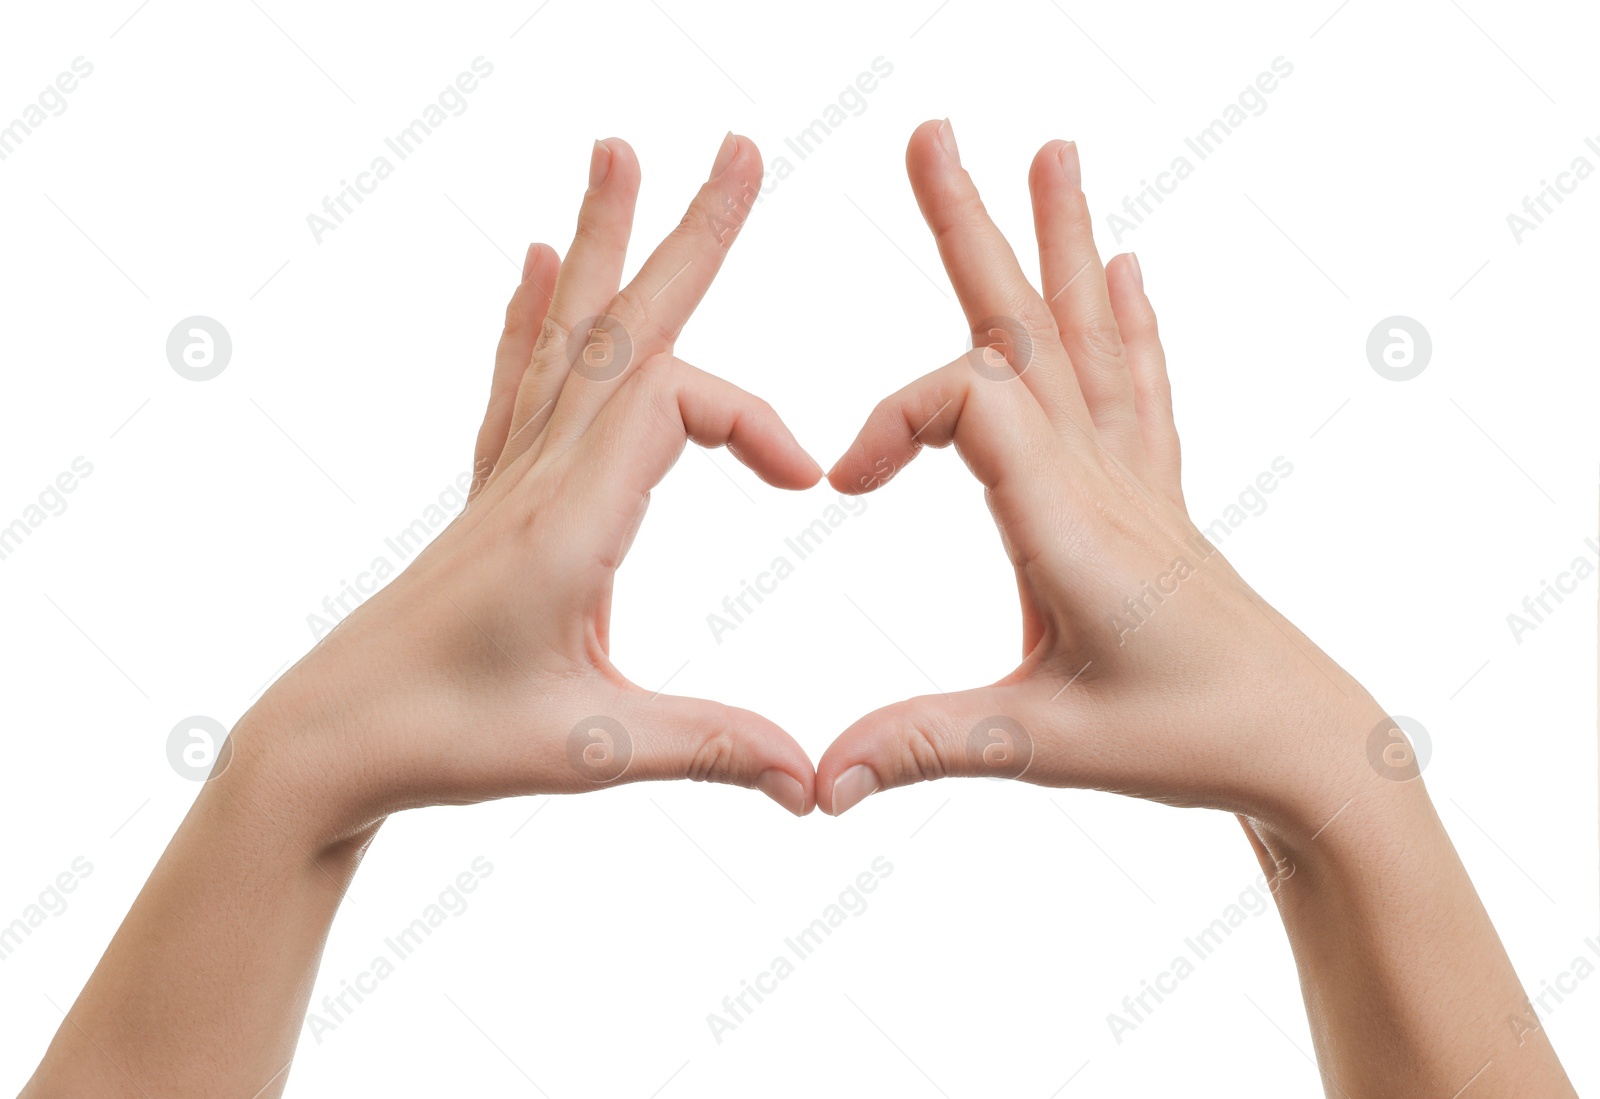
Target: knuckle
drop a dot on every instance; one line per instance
(1079, 218)
(761, 410)
(627, 307)
(517, 318)
(713, 758)
(1020, 333)
(552, 339)
(594, 234)
(963, 208)
(923, 757)
(1104, 339)
(1034, 316)
(1146, 320)
(658, 382)
(935, 419)
(717, 215)
(661, 378)
(1100, 339)
(696, 220)
(632, 312)
(1152, 388)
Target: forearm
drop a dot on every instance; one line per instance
(203, 988)
(1407, 986)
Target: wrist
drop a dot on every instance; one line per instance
(1361, 790)
(273, 781)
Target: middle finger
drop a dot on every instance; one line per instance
(645, 317)
(1002, 307)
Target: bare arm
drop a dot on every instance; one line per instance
(1407, 986)
(1152, 669)
(204, 986)
(481, 672)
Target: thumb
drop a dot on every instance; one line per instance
(665, 737)
(970, 734)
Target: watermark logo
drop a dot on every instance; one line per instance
(1006, 350)
(599, 348)
(199, 749)
(600, 749)
(1399, 348)
(199, 348)
(1398, 748)
(999, 747)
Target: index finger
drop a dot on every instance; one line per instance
(999, 430)
(662, 296)
(1002, 307)
(645, 317)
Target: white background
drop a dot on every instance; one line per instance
(179, 580)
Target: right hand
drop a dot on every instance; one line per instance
(1150, 668)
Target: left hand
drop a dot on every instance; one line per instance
(483, 670)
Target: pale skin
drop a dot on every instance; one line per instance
(469, 677)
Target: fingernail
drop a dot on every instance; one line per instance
(1138, 272)
(850, 788)
(599, 164)
(947, 138)
(784, 790)
(730, 146)
(529, 260)
(1067, 153)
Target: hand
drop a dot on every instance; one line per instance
(482, 670)
(1150, 668)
